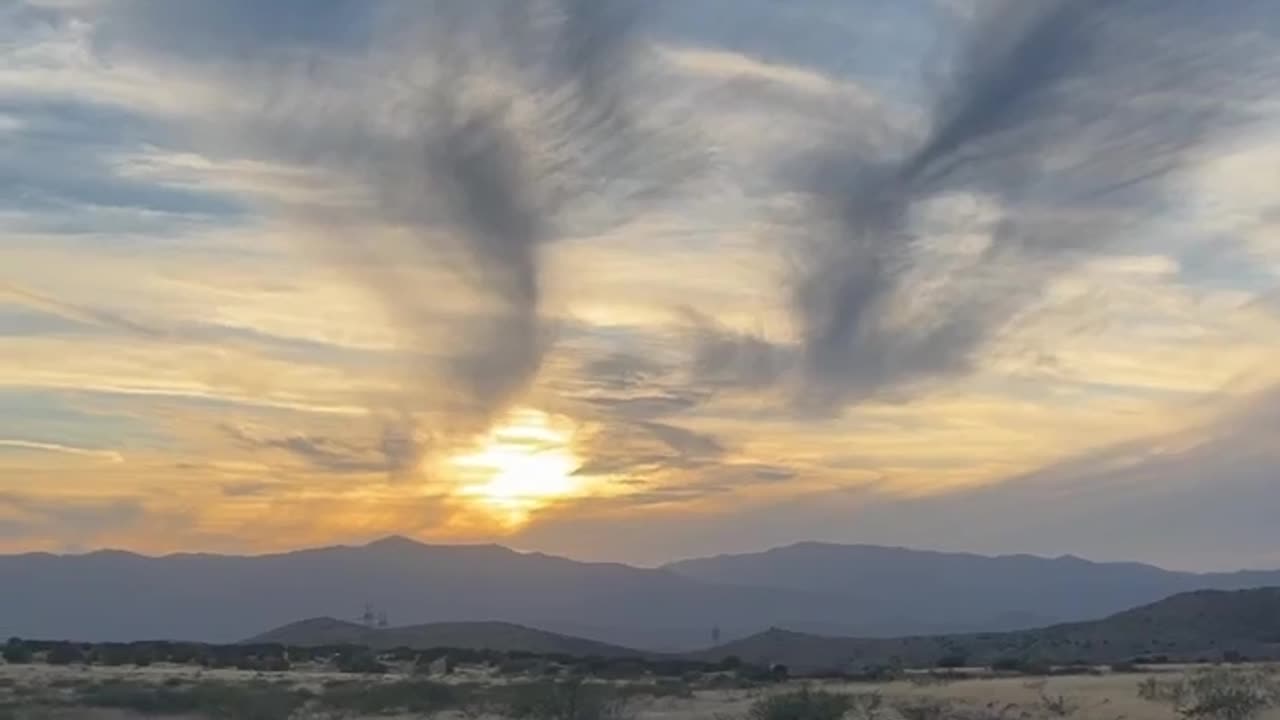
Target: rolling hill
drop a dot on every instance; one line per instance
(505, 637)
(1186, 627)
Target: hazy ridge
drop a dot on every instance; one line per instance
(853, 590)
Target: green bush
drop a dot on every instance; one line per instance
(802, 704)
(16, 652)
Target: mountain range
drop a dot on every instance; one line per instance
(1206, 625)
(812, 588)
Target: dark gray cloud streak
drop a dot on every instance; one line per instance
(507, 124)
(1064, 115)
(327, 454)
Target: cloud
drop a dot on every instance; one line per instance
(247, 489)
(1209, 481)
(732, 358)
(244, 235)
(20, 445)
(685, 442)
(322, 453)
(476, 138)
(1055, 116)
(25, 516)
(1213, 482)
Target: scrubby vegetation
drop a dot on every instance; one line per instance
(802, 704)
(238, 701)
(1217, 693)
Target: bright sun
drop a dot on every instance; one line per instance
(519, 467)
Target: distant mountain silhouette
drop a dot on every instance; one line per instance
(813, 588)
(113, 595)
(1206, 624)
(500, 636)
(960, 591)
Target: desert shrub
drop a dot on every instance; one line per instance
(1216, 693)
(934, 679)
(409, 696)
(729, 662)
(760, 675)
(13, 711)
(518, 666)
(185, 653)
(877, 673)
(17, 652)
(923, 708)
(1023, 665)
(1075, 668)
(360, 662)
(672, 668)
(991, 711)
(1057, 706)
(1007, 664)
(664, 688)
(865, 706)
(564, 700)
(802, 704)
(402, 653)
(140, 655)
(275, 664)
(727, 681)
(619, 668)
(64, 653)
(249, 701)
(111, 654)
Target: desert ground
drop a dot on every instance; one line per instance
(41, 692)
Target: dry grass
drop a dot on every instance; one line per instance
(1083, 697)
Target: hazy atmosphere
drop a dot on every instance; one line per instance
(640, 282)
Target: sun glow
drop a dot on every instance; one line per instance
(519, 467)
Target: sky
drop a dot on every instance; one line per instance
(641, 281)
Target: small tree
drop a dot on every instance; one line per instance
(16, 652)
(64, 653)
